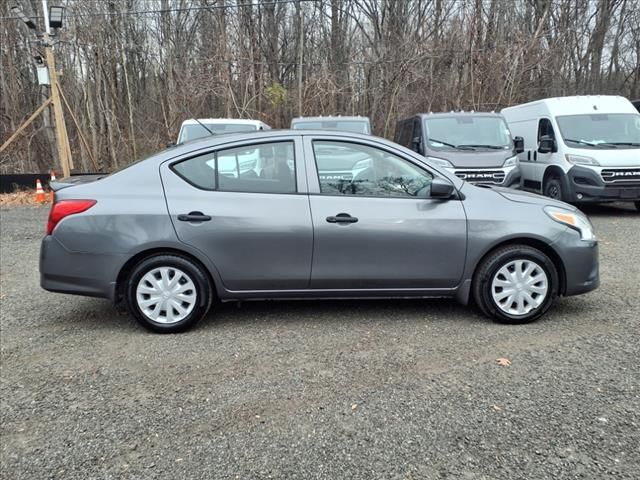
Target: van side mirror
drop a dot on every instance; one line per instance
(547, 144)
(518, 144)
(416, 144)
(441, 188)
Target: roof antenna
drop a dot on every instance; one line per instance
(204, 126)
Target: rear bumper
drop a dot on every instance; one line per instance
(586, 185)
(581, 264)
(76, 273)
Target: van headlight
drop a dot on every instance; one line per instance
(510, 162)
(581, 160)
(575, 220)
(441, 162)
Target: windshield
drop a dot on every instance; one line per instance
(343, 125)
(192, 131)
(600, 130)
(467, 132)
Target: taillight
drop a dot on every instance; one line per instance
(64, 208)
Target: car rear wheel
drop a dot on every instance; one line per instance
(553, 188)
(168, 294)
(515, 284)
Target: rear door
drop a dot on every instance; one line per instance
(377, 228)
(240, 205)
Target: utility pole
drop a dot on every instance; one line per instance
(62, 139)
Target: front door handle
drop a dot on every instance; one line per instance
(194, 217)
(342, 218)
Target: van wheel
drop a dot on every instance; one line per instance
(168, 294)
(515, 284)
(553, 188)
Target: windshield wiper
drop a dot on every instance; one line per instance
(458, 147)
(582, 142)
(630, 144)
(493, 147)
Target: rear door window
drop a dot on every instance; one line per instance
(263, 168)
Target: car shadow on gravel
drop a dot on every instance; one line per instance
(609, 209)
(103, 316)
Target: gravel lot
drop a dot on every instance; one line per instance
(335, 390)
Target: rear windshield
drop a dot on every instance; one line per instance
(193, 131)
(357, 126)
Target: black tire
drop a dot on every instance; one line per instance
(553, 188)
(489, 267)
(637, 204)
(190, 271)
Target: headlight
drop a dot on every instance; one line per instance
(580, 160)
(574, 220)
(510, 162)
(441, 162)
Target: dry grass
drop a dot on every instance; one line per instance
(22, 197)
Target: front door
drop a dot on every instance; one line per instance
(377, 228)
(241, 207)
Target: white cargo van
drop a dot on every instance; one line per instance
(579, 149)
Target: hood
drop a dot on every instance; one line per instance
(473, 158)
(520, 196)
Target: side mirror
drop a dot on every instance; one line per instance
(518, 144)
(441, 188)
(547, 144)
(416, 143)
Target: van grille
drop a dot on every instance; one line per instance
(614, 175)
(481, 176)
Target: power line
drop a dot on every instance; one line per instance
(169, 10)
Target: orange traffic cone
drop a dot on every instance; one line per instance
(39, 192)
(52, 179)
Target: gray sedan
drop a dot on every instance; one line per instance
(264, 216)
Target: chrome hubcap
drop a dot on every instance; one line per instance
(519, 287)
(166, 295)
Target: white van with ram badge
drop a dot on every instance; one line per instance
(579, 149)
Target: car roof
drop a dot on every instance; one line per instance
(330, 119)
(578, 105)
(456, 114)
(229, 121)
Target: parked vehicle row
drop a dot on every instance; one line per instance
(575, 149)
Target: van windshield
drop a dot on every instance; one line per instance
(357, 126)
(600, 130)
(467, 133)
(193, 131)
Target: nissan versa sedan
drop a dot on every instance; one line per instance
(254, 216)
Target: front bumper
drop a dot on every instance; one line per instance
(586, 185)
(580, 261)
(77, 273)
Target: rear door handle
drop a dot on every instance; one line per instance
(342, 218)
(194, 217)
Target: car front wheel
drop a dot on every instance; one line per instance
(168, 294)
(515, 284)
